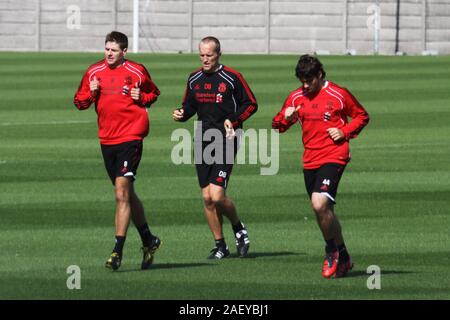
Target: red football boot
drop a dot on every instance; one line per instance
(330, 264)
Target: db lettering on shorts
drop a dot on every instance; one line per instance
(222, 174)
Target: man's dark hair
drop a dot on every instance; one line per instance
(309, 67)
(212, 39)
(117, 37)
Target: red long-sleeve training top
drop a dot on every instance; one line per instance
(120, 118)
(330, 108)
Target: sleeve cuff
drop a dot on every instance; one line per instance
(234, 120)
(346, 134)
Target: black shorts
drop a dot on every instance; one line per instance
(212, 169)
(122, 160)
(217, 174)
(324, 180)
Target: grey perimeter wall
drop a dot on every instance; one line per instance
(247, 26)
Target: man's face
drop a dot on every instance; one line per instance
(113, 54)
(312, 85)
(208, 56)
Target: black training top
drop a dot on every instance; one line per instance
(215, 97)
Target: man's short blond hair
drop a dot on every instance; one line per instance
(214, 40)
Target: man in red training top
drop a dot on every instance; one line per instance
(322, 108)
(122, 90)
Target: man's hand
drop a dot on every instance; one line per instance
(178, 114)
(136, 92)
(291, 113)
(94, 86)
(336, 134)
(229, 129)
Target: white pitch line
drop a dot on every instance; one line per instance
(44, 123)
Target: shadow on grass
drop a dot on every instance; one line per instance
(361, 273)
(254, 255)
(170, 266)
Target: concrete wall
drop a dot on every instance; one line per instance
(256, 26)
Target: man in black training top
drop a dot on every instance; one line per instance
(222, 100)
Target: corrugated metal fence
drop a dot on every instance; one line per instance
(250, 26)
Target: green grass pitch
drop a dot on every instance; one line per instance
(57, 205)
